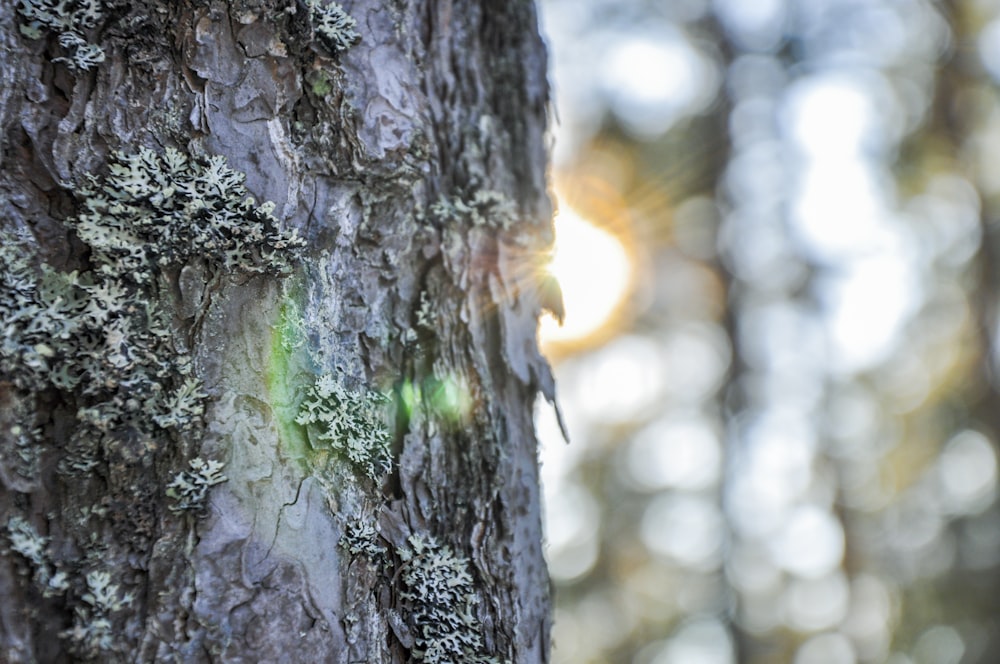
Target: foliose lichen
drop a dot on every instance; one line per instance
(102, 334)
(26, 542)
(20, 456)
(40, 311)
(93, 335)
(157, 210)
(349, 422)
(425, 312)
(92, 632)
(189, 488)
(361, 538)
(31, 314)
(485, 208)
(95, 598)
(440, 597)
(68, 19)
(152, 212)
(100, 345)
(334, 26)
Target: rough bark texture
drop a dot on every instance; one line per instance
(413, 164)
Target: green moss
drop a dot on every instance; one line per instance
(321, 83)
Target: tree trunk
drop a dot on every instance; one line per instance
(224, 441)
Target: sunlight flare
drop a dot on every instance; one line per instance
(594, 270)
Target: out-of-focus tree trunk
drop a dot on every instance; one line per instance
(216, 444)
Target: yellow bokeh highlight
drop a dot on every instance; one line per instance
(595, 272)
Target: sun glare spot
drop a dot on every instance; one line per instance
(594, 271)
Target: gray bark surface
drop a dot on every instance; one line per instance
(413, 165)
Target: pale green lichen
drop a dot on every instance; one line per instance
(41, 311)
(361, 538)
(319, 82)
(20, 452)
(96, 600)
(28, 321)
(149, 213)
(100, 346)
(183, 408)
(92, 632)
(440, 600)
(95, 336)
(26, 542)
(68, 19)
(425, 312)
(485, 208)
(154, 210)
(334, 26)
(189, 489)
(102, 334)
(349, 422)
(83, 55)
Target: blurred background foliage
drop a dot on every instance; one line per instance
(778, 242)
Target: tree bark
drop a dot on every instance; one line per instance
(252, 450)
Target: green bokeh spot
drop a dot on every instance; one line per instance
(447, 399)
(287, 338)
